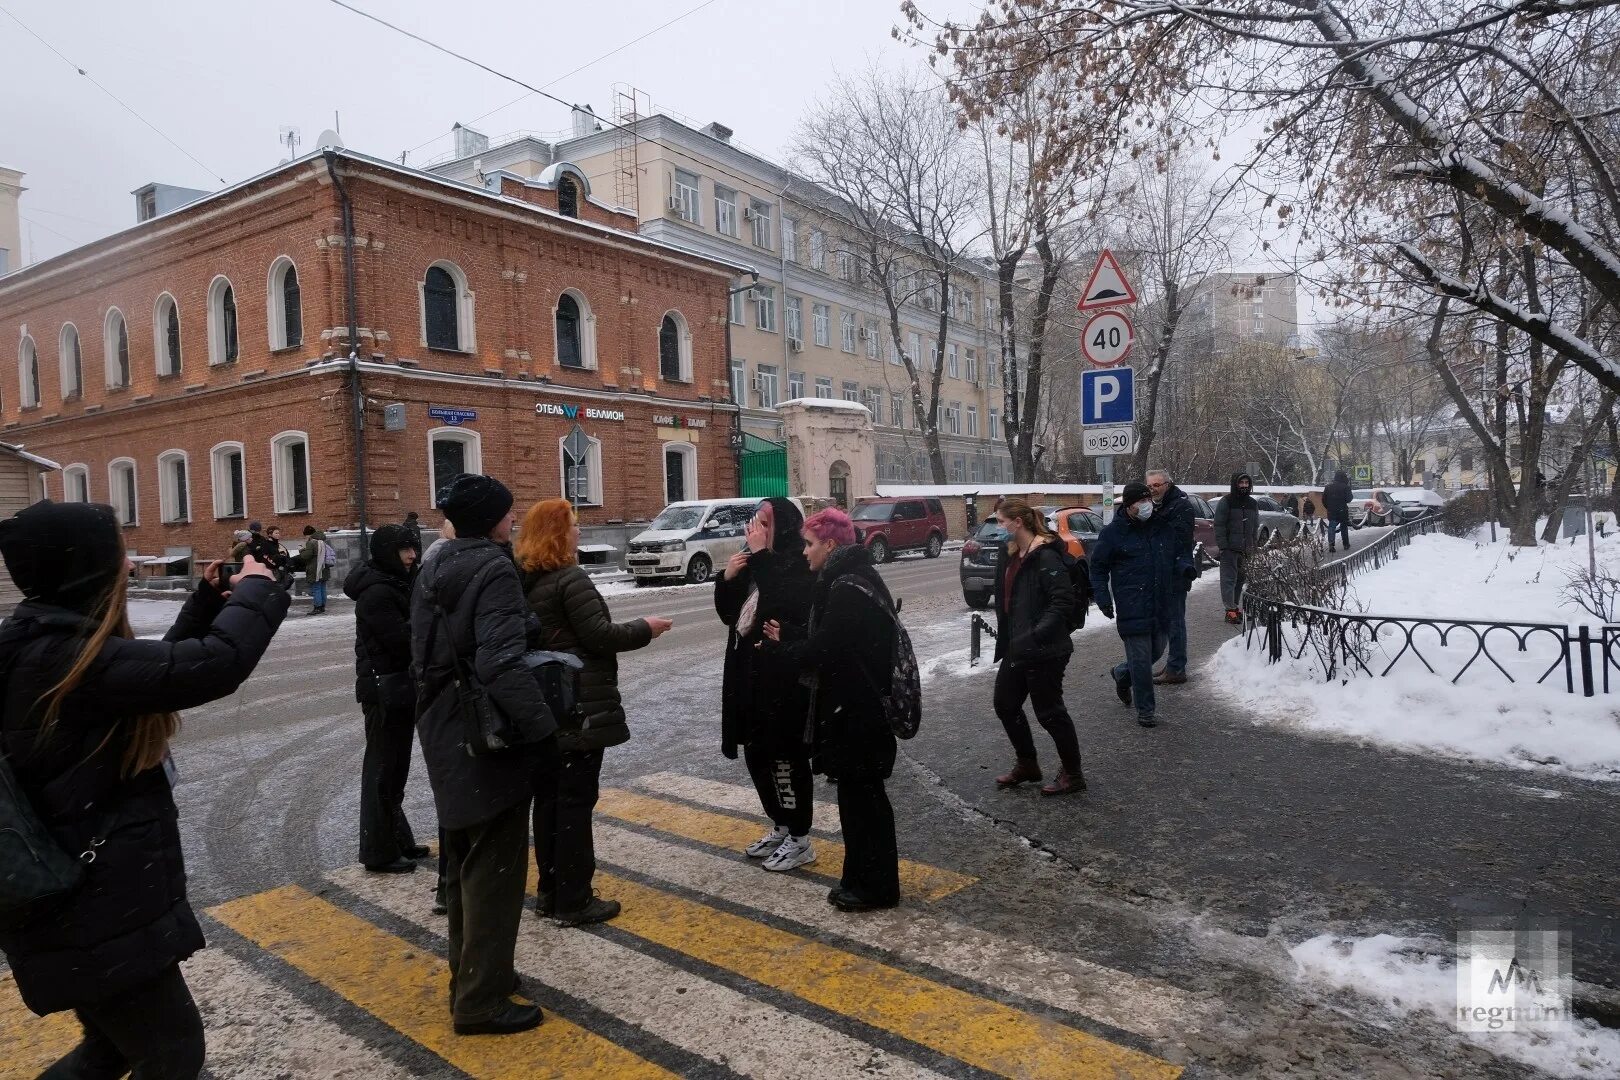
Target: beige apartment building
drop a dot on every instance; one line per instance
(11, 189)
(808, 327)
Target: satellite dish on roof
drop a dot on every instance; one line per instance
(329, 138)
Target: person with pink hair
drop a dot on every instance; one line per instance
(845, 652)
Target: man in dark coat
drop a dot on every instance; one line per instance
(1173, 515)
(1336, 503)
(1237, 533)
(381, 591)
(1132, 569)
(468, 612)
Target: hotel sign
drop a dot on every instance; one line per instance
(576, 412)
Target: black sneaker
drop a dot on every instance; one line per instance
(844, 900)
(512, 1019)
(598, 910)
(1147, 721)
(1122, 687)
(400, 865)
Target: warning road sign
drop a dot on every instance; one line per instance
(1107, 338)
(1107, 286)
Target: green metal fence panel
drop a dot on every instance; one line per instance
(764, 468)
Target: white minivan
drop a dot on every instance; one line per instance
(689, 540)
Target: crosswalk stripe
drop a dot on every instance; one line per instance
(1063, 981)
(702, 1017)
(725, 831)
(735, 797)
(971, 1029)
(408, 991)
(29, 1043)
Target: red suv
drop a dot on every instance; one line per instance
(892, 525)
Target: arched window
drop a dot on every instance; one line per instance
(575, 331)
(582, 479)
(230, 480)
(115, 339)
(174, 486)
(166, 335)
(680, 472)
(451, 452)
(70, 362)
(447, 309)
(838, 483)
(223, 344)
(122, 489)
(28, 373)
(289, 470)
(76, 484)
(285, 307)
(674, 348)
(568, 197)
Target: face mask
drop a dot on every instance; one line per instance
(1000, 534)
(1144, 510)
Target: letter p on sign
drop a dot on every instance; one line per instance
(1108, 396)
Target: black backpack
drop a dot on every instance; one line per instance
(902, 704)
(1080, 582)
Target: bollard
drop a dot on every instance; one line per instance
(973, 642)
(1585, 638)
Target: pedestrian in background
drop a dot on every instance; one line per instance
(88, 713)
(1173, 515)
(1132, 570)
(381, 590)
(574, 618)
(312, 557)
(240, 539)
(1237, 532)
(1336, 501)
(845, 650)
(1307, 510)
(763, 705)
(468, 614)
(413, 526)
(1034, 602)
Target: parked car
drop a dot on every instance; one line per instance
(688, 540)
(1416, 502)
(982, 555)
(1204, 528)
(1275, 521)
(890, 525)
(1372, 506)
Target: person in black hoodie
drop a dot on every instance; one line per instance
(1034, 600)
(1237, 534)
(846, 650)
(763, 707)
(1336, 498)
(381, 591)
(88, 712)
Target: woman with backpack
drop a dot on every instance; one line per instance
(573, 618)
(847, 651)
(762, 706)
(1034, 601)
(88, 712)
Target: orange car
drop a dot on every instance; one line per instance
(1076, 526)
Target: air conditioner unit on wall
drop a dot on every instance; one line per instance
(748, 213)
(863, 333)
(675, 202)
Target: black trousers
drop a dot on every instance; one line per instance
(1042, 683)
(1337, 527)
(565, 792)
(871, 857)
(785, 785)
(486, 868)
(152, 1032)
(385, 835)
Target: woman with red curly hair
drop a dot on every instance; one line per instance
(574, 618)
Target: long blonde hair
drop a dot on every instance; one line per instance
(149, 740)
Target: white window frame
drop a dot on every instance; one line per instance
(970, 364)
(914, 348)
(894, 353)
(824, 382)
(739, 382)
(846, 331)
(688, 197)
(725, 210)
(790, 240)
(953, 418)
(278, 310)
(767, 375)
(683, 336)
(795, 385)
(897, 410)
(973, 421)
(872, 398)
(851, 391)
(846, 266)
(280, 482)
(795, 320)
(216, 320)
(993, 425)
(821, 322)
(739, 307)
(80, 470)
(761, 222)
(28, 372)
(587, 332)
(71, 382)
(472, 446)
(220, 477)
(871, 340)
(169, 491)
(818, 249)
(765, 308)
(466, 307)
(952, 363)
(160, 333)
(689, 470)
(115, 492)
(109, 347)
(593, 471)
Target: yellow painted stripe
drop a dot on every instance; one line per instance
(971, 1029)
(409, 990)
(917, 879)
(29, 1043)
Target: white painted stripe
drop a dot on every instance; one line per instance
(1129, 1002)
(258, 1031)
(723, 796)
(704, 1018)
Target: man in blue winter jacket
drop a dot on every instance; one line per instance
(1134, 568)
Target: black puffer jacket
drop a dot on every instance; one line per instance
(1033, 619)
(574, 619)
(130, 921)
(1336, 497)
(477, 585)
(848, 649)
(381, 591)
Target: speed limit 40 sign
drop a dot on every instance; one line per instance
(1107, 338)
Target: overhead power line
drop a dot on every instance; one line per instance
(121, 102)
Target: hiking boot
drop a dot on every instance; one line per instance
(794, 851)
(1026, 769)
(1122, 687)
(598, 910)
(1170, 678)
(767, 843)
(1065, 782)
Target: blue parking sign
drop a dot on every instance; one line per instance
(1108, 396)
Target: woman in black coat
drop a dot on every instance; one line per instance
(88, 715)
(573, 618)
(762, 707)
(846, 652)
(381, 591)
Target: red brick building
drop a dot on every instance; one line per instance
(194, 370)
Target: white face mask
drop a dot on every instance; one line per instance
(1144, 510)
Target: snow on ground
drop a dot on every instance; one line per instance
(1412, 975)
(1482, 716)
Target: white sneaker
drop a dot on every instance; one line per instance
(767, 843)
(794, 851)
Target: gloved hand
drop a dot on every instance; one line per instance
(1106, 609)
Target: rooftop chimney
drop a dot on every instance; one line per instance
(10, 220)
(719, 131)
(468, 141)
(584, 121)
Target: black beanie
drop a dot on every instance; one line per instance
(386, 543)
(1134, 493)
(474, 504)
(67, 554)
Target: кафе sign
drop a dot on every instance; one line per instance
(671, 420)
